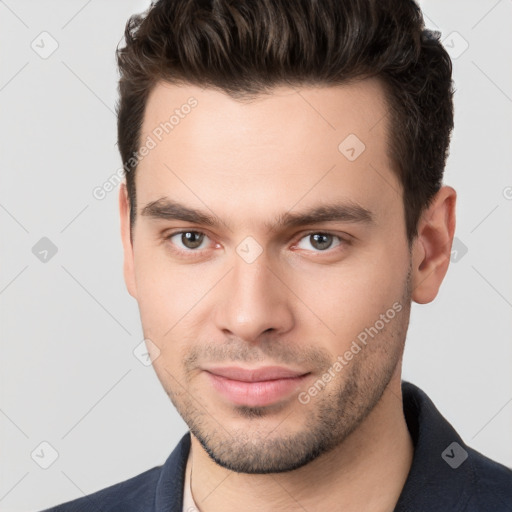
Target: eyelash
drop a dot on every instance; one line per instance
(197, 252)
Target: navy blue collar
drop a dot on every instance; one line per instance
(431, 481)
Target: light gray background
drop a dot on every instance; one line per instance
(68, 326)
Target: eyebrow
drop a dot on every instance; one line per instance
(350, 211)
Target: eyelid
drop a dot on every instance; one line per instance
(187, 252)
(344, 239)
(342, 236)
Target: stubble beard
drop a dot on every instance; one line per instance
(325, 422)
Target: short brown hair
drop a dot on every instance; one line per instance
(246, 47)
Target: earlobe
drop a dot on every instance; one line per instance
(128, 265)
(432, 247)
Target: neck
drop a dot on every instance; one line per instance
(365, 472)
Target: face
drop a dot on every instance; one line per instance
(270, 265)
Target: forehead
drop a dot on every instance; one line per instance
(293, 144)
(356, 107)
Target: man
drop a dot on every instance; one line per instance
(283, 206)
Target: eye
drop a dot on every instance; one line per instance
(190, 240)
(320, 241)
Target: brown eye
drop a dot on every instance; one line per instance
(186, 241)
(318, 242)
(191, 239)
(321, 241)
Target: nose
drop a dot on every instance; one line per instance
(254, 300)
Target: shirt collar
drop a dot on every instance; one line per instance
(169, 489)
(431, 479)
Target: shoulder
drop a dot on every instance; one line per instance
(136, 493)
(158, 488)
(492, 484)
(446, 473)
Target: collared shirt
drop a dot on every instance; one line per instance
(189, 505)
(445, 476)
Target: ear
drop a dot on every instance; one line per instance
(432, 248)
(128, 267)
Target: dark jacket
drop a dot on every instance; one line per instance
(446, 475)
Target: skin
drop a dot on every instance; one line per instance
(298, 304)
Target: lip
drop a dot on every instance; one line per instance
(263, 373)
(255, 387)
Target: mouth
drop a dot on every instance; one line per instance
(256, 387)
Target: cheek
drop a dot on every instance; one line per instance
(167, 292)
(345, 298)
(158, 289)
